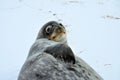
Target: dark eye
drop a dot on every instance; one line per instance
(60, 24)
(48, 29)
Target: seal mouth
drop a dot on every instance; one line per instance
(59, 34)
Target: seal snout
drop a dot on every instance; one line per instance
(58, 34)
(60, 30)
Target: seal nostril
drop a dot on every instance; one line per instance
(53, 37)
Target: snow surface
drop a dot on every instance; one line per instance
(93, 28)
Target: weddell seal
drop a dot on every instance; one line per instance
(51, 58)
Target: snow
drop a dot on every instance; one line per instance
(93, 28)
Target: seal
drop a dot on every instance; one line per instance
(51, 58)
(51, 39)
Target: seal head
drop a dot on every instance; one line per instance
(53, 31)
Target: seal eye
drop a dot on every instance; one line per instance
(60, 24)
(48, 29)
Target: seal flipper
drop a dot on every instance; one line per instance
(61, 51)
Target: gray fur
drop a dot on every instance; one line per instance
(42, 66)
(51, 60)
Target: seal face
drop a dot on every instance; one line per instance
(54, 43)
(53, 31)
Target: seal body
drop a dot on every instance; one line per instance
(57, 49)
(51, 58)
